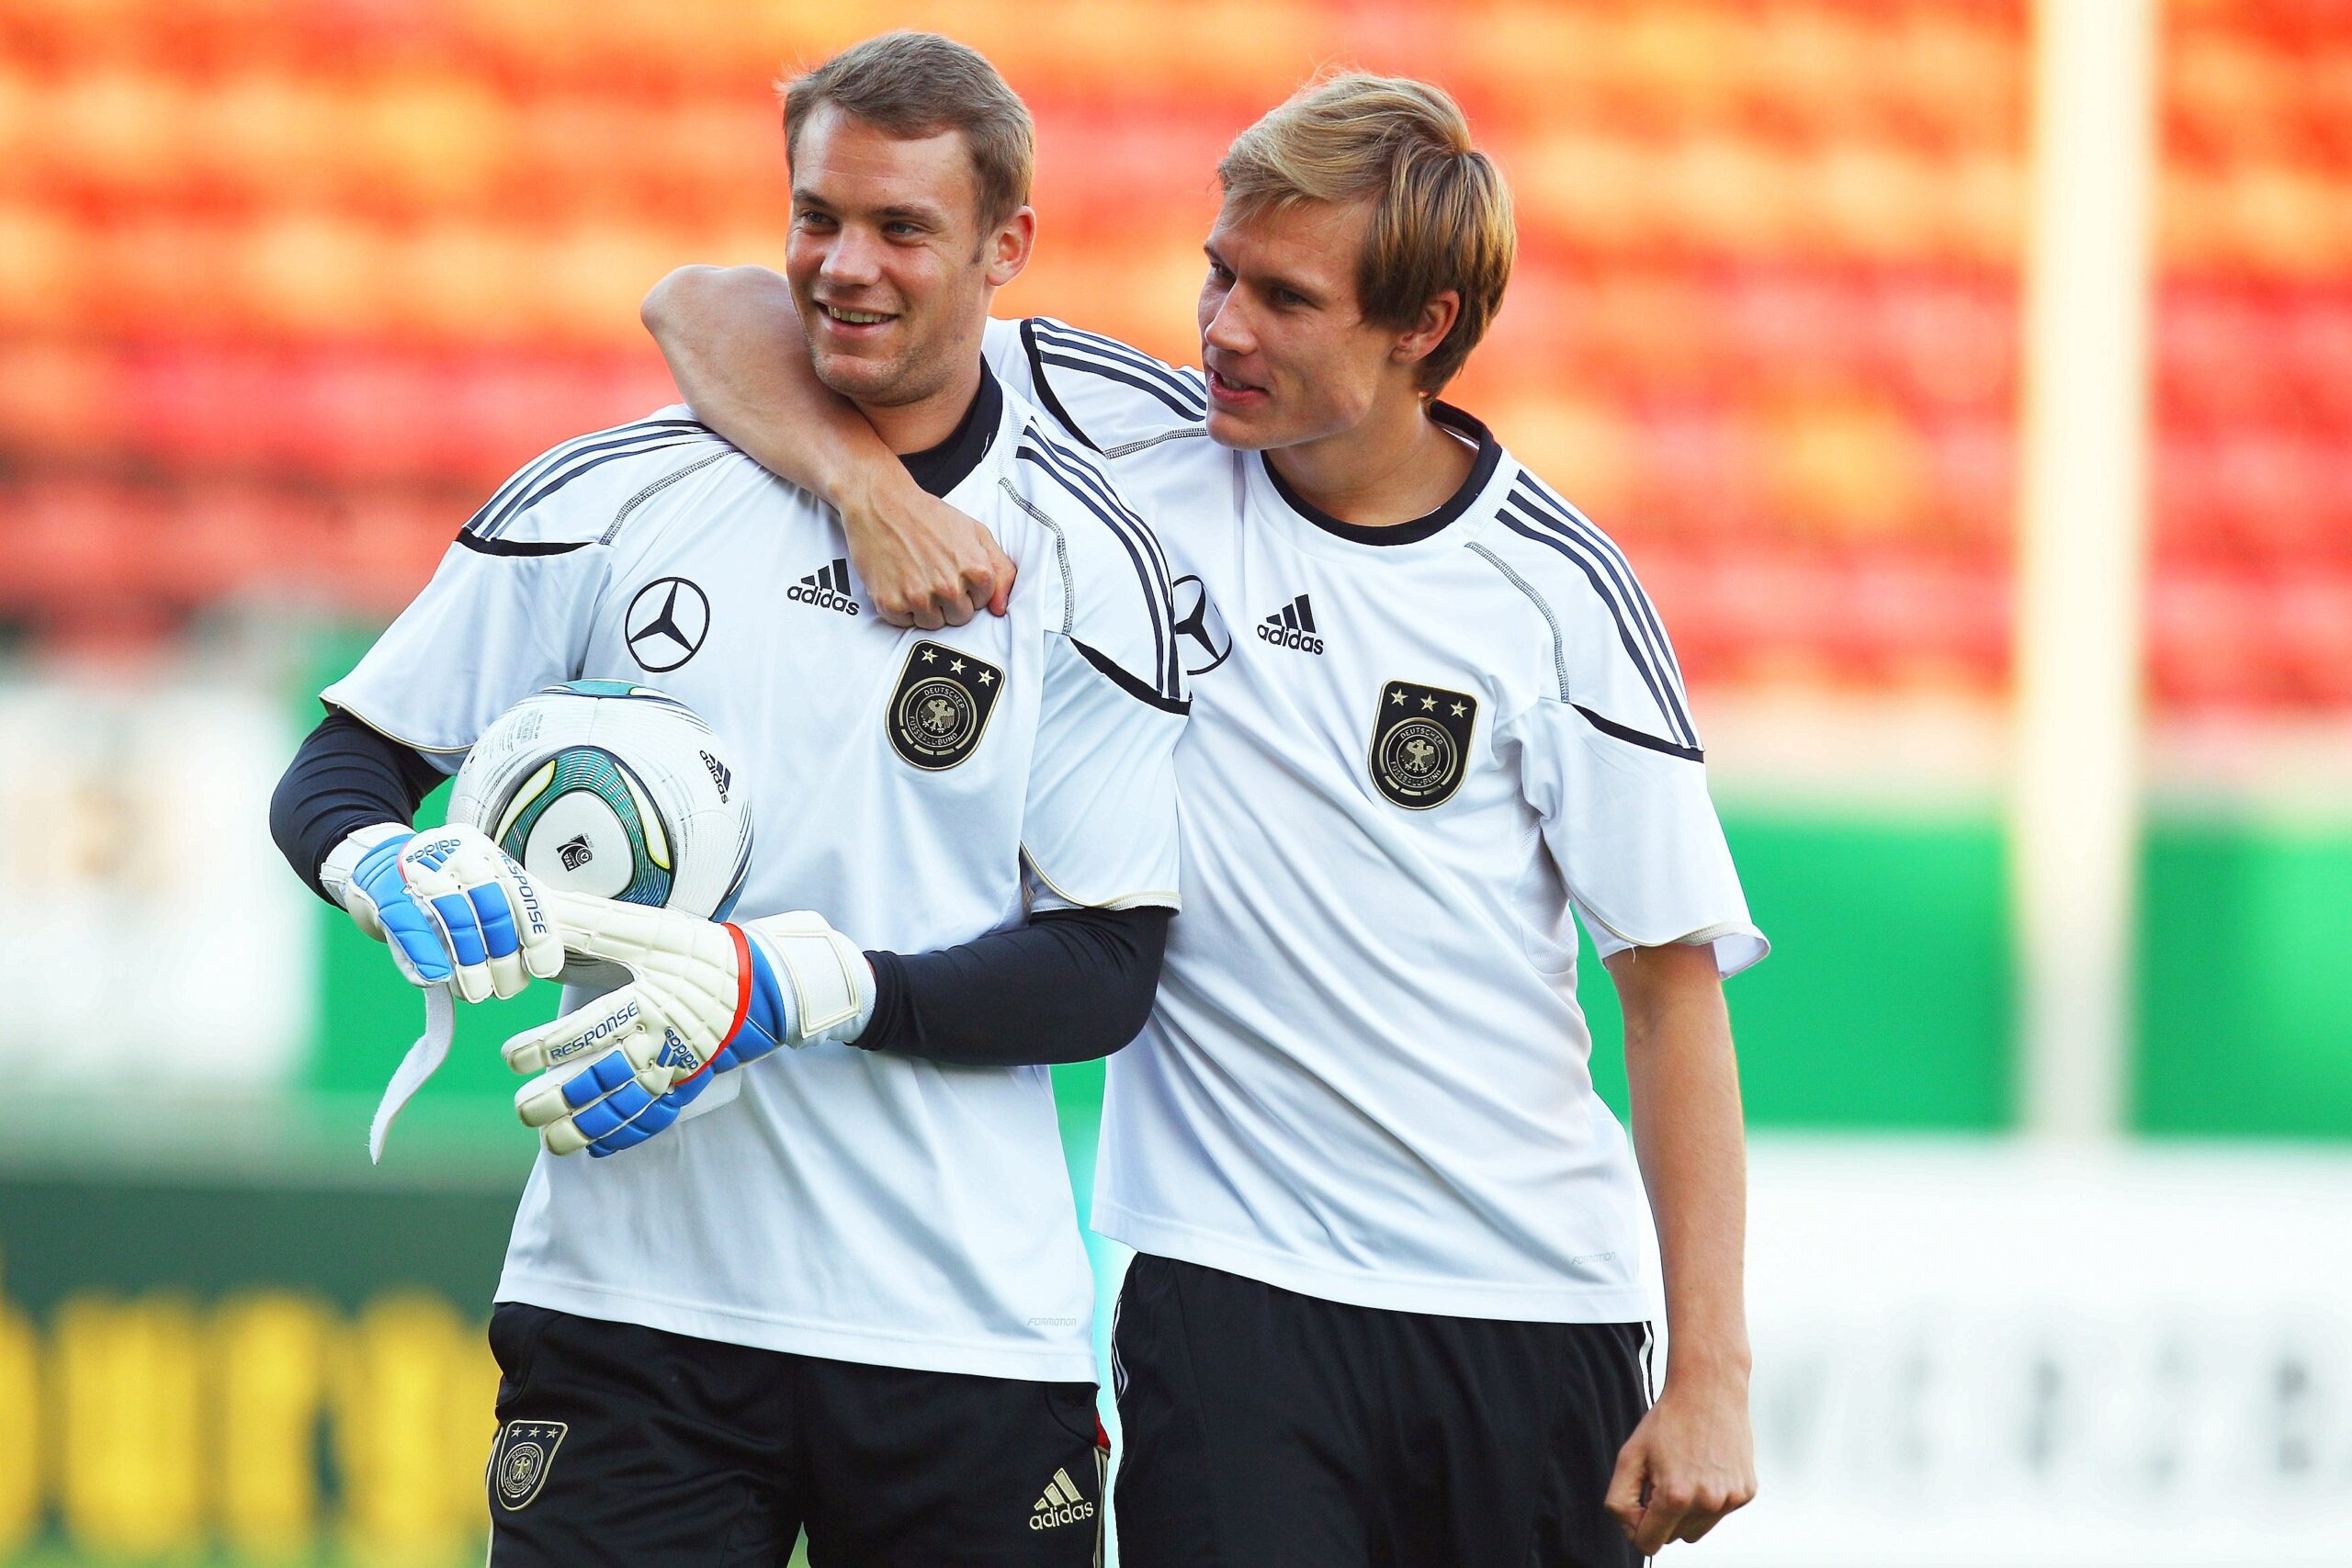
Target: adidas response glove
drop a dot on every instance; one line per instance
(703, 997)
(452, 905)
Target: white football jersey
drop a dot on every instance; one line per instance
(1413, 752)
(850, 1205)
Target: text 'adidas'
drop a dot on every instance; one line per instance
(1292, 626)
(827, 588)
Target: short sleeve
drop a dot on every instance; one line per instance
(1098, 827)
(510, 608)
(486, 631)
(1635, 837)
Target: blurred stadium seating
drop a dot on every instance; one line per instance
(285, 283)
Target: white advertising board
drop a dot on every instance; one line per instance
(1991, 1354)
(150, 934)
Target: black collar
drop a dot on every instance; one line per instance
(1420, 528)
(942, 468)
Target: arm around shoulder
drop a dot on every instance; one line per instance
(732, 338)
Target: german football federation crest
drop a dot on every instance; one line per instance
(1420, 743)
(519, 1464)
(941, 705)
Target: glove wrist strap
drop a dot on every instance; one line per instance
(337, 871)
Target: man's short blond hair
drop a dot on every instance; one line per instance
(1442, 215)
(916, 84)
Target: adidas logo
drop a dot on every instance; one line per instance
(1061, 1505)
(720, 773)
(827, 588)
(1292, 626)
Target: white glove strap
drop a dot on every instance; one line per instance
(335, 870)
(832, 984)
(424, 1059)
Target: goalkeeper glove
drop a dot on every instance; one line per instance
(453, 907)
(703, 999)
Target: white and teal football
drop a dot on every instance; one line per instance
(613, 789)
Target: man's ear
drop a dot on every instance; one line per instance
(1008, 247)
(1420, 340)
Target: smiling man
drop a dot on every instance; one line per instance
(1392, 1296)
(854, 1300)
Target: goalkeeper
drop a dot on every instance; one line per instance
(855, 1300)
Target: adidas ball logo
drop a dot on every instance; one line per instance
(1292, 626)
(827, 588)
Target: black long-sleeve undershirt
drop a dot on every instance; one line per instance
(1070, 985)
(345, 777)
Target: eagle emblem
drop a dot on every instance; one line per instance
(1420, 741)
(941, 704)
(520, 1462)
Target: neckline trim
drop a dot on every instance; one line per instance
(942, 468)
(1482, 473)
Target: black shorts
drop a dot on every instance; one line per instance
(1265, 1427)
(624, 1445)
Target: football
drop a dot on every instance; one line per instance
(613, 789)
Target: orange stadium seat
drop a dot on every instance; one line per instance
(1955, 75)
(268, 137)
(1848, 468)
(61, 402)
(1696, 472)
(2209, 641)
(218, 540)
(1971, 484)
(2314, 335)
(1948, 342)
(427, 141)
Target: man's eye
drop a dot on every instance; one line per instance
(814, 219)
(1285, 296)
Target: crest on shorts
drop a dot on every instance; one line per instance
(520, 1461)
(1421, 743)
(941, 705)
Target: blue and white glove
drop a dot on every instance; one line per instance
(703, 999)
(454, 907)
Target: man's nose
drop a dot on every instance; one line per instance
(852, 258)
(1228, 329)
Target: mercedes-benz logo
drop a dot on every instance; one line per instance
(667, 621)
(1199, 624)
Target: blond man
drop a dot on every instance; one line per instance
(1391, 1301)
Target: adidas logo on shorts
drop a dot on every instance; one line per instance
(1292, 626)
(1062, 1505)
(827, 588)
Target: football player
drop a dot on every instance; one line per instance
(854, 1300)
(1392, 1299)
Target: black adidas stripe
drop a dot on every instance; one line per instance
(1670, 710)
(1142, 549)
(1627, 732)
(1087, 475)
(499, 509)
(1547, 507)
(1128, 683)
(1174, 405)
(1076, 340)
